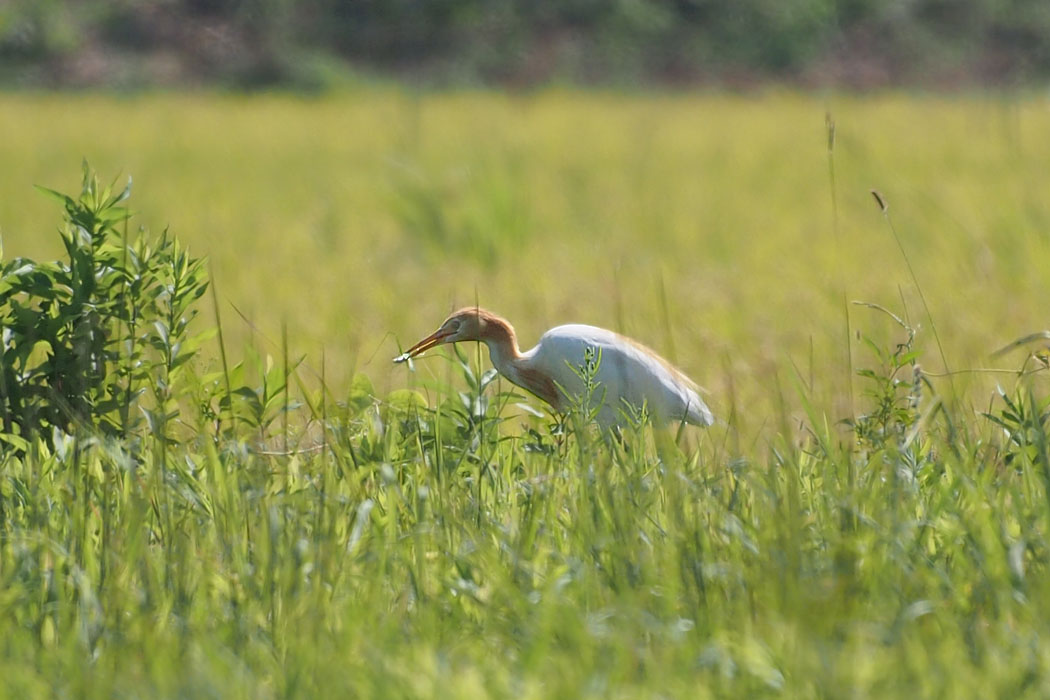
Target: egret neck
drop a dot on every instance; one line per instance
(507, 358)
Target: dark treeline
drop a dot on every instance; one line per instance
(853, 43)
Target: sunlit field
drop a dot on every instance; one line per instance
(703, 225)
(369, 541)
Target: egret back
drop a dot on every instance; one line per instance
(629, 376)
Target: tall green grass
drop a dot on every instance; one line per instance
(435, 551)
(319, 527)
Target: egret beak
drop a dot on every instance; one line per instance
(436, 338)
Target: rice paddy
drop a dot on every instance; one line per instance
(868, 518)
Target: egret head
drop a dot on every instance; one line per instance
(470, 323)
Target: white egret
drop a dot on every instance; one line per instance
(628, 377)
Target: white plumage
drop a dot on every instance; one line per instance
(626, 376)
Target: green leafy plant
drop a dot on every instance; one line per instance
(1024, 419)
(894, 390)
(96, 341)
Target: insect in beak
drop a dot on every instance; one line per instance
(436, 338)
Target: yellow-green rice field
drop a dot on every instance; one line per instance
(868, 518)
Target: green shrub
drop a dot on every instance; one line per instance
(96, 341)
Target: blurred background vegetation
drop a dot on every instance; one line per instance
(317, 44)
